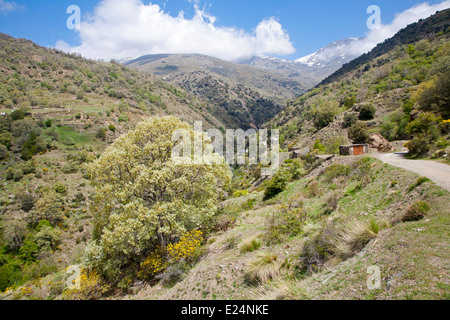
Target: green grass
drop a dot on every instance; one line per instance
(66, 132)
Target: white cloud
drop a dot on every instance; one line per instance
(357, 46)
(120, 29)
(414, 14)
(6, 7)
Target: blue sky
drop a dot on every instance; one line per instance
(309, 25)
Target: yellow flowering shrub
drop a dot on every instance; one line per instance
(90, 287)
(152, 266)
(186, 248)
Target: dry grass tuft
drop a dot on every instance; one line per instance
(265, 267)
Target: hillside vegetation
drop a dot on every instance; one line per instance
(240, 96)
(90, 186)
(402, 93)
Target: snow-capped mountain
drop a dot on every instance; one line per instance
(312, 69)
(332, 56)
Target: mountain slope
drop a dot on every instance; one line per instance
(420, 30)
(390, 89)
(241, 96)
(311, 69)
(59, 84)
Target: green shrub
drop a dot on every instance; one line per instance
(101, 134)
(43, 223)
(358, 133)
(332, 144)
(10, 173)
(349, 120)
(240, 193)
(419, 182)
(29, 251)
(70, 167)
(419, 146)
(60, 188)
(416, 211)
(18, 174)
(50, 206)
(10, 273)
(336, 171)
(26, 200)
(249, 204)
(277, 184)
(324, 117)
(318, 148)
(287, 221)
(367, 112)
(47, 239)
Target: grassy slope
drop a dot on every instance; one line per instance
(412, 256)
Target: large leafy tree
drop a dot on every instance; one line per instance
(145, 199)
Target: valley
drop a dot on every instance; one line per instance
(89, 187)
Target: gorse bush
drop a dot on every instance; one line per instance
(87, 286)
(186, 248)
(152, 265)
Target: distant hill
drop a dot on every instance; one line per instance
(241, 96)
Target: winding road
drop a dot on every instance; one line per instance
(439, 173)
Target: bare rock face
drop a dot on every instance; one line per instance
(378, 142)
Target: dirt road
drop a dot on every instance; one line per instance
(439, 173)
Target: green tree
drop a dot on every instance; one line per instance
(50, 206)
(13, 234)
(24, 130)
(145, 198)
(324, 117)
(3, 152)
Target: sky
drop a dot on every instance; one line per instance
(226, 29)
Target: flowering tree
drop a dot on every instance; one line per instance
(146, 200)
